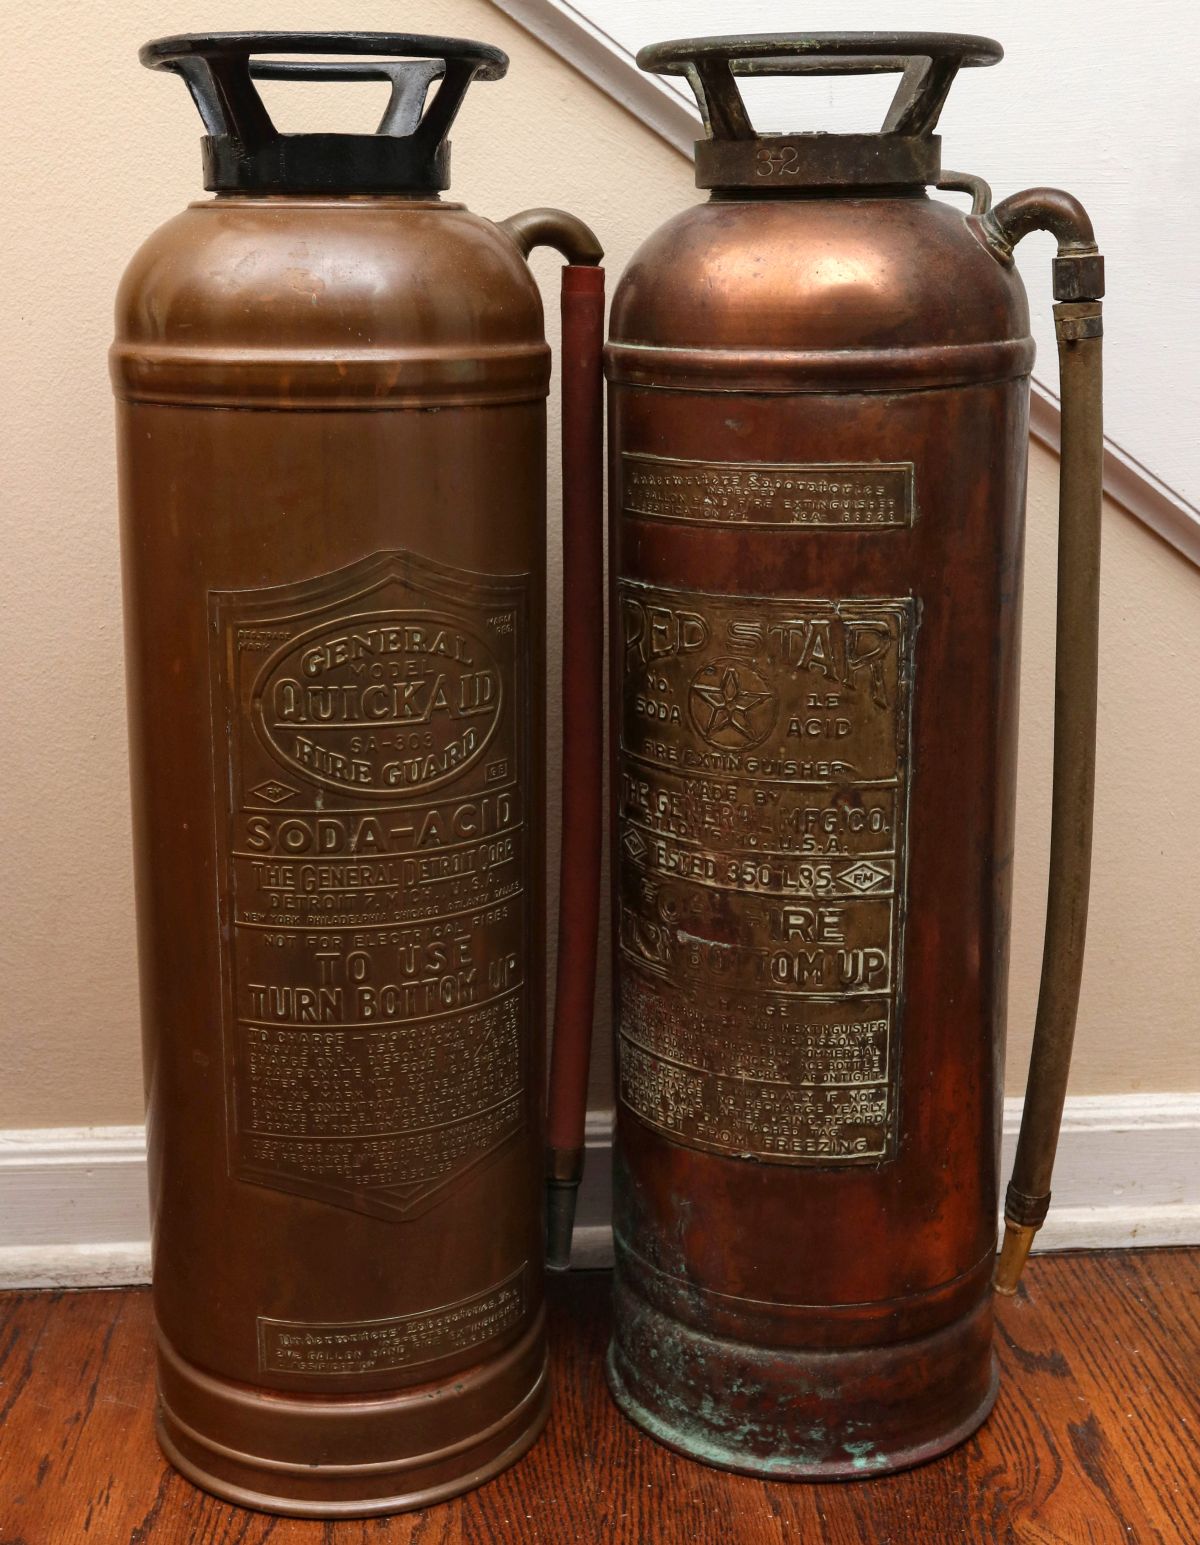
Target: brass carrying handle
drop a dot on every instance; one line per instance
(927, 63)
(582, 705)
(1078, 286)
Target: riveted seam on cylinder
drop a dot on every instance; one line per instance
(786, 371)
(366, 381)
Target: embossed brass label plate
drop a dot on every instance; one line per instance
(828, 495)
(763, 767)
(370, 730)
(404, 1341)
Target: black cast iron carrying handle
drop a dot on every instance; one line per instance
(1078, 286)
(245, 149)
(410, 78)
(217, 69)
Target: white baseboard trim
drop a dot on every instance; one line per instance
(73, 1209)
(123, 1263)
(73, 1200)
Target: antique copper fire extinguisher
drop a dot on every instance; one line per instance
(331, 402)
(819, 391)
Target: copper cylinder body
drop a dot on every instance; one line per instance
(332, 457)
(818, 419)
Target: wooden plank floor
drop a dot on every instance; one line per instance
(1095, 1439)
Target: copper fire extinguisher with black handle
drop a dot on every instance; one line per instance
(818, 418)
(331, 395)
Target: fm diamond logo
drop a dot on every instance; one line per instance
(863, 877)
(634, 843)
(274, 791)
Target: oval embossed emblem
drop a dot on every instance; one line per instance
(389, 703)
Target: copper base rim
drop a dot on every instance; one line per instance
(787, 1467)
(317, 1455)
(534, 1408)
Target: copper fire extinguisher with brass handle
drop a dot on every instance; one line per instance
(331, 394)
(818, 419)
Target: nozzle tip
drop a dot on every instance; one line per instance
(561, 1196)
(1018, 1237)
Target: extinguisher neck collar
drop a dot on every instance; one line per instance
(783, 164)
(325, 163)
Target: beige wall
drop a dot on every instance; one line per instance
(98, 153)
(1139, 1013)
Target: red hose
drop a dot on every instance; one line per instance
(582, 712)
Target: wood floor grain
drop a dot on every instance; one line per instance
(1095, 1439)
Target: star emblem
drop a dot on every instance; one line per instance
(731, 705)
